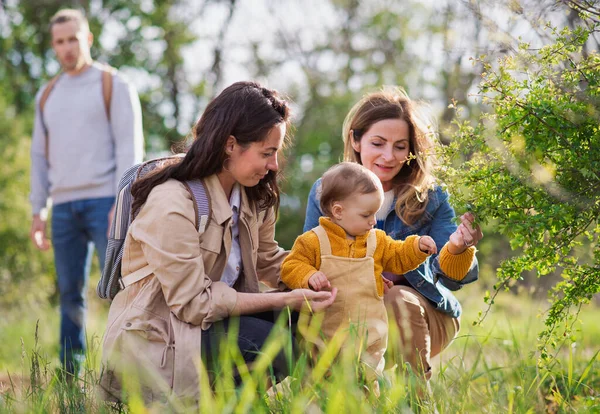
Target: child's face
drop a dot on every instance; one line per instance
(356, 214)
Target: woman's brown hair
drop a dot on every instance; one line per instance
(416, 177)
(245, 110)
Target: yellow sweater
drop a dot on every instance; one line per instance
(390, 255)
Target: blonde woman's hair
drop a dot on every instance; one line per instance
(416, 177)
(345, 179)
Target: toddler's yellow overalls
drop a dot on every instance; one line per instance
(357, 307)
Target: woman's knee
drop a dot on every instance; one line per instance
(404, 300)
(409, 329)
(253, 334)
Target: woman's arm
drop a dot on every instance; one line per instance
(298, 299)
(313, 208)
(456, 263)
(166, 231)
(442, 220)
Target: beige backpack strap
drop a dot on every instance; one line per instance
(43, 100)
(107, 87)
(371, 243)
(136, 276)
(323, 240)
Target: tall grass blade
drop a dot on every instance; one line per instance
(586, 371)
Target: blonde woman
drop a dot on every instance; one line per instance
(385, 132)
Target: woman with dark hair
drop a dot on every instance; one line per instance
(387, 133)
(199, 284)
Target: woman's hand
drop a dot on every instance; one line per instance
(309, 300)
(465, 236)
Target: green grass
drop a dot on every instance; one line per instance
(487, 369)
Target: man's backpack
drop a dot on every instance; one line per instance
(107, 87)
(111, 281)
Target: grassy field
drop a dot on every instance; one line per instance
(487, 369)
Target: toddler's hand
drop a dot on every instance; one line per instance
(427, 245)
(387, 284)
(318, 281)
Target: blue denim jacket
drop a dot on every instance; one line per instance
(428, 279)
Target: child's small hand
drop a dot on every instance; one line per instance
(427, 245)
(318, 281)
(387, 284)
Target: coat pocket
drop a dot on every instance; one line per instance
(212, 239)
(147, 340)
(148, 325)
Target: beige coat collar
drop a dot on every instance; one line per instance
(221, 210)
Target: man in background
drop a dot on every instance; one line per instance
(87, 132)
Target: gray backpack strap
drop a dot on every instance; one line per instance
(201, 203)
(202, 209)
(110, 282)
(108, 286)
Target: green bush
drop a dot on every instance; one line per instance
(531, 166)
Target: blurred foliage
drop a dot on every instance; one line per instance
(532, 167)
(24, 271)
(372, 48)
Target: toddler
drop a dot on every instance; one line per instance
(346, 252)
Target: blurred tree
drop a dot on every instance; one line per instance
(21, 70)
(146, 39)
(371, 44)
(24, 271)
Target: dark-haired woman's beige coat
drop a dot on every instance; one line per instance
(154, 326)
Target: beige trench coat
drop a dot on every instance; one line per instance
(154, 326)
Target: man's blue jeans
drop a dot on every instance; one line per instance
(77, 226)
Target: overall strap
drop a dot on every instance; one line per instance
(323, 240)
(371, 243)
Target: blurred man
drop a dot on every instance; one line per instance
(87, 132)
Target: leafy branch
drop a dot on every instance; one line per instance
(530, 165)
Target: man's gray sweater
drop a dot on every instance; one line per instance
(87, 154)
